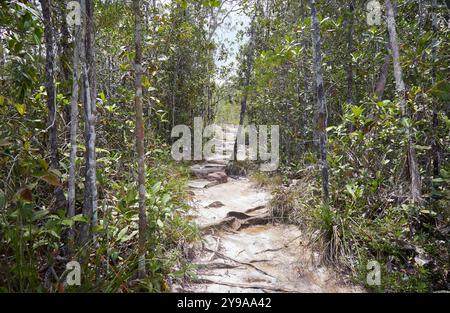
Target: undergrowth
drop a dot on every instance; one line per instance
(369, 218)
(34, 240)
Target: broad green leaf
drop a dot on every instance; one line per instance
(122, 233)
(156, 187)
(102, 97)
(165, 199)
(20, 108)
(130, 236)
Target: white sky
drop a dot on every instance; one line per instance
(227, 34)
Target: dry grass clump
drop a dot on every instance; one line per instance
(293, 203)
(266, 180)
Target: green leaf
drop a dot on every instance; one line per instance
(419, 147)
(131, 196)
(352, 190)
(357, 110)
(214, 3)
(156, 187)
(165, 199)
(37, 39)
(145, 82)
(51, 232)
(39, 215)
(124, 67)
(21, 108)
(183, 4)
(79, 218)
(441, 90)
(43, 164)
(122, 233)
(102, 97)
(67, 222)
(130, 236)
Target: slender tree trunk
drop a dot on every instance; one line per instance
(90, 184)
(303, 64)
(414, 174)
(90, 53)
(382, 78)
(65, 56)
(152, 58)
(175, 76)
(51, 95)
(91, 196)
(140, 139)
(246, 84)
(305, 69)
(73, 133)
(435, 120)
(174, 88)
(321, 104)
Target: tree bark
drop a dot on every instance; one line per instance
(414, 174)
(73, 133)
(303, 64)
(140, 139)
(90, 184)
(51, 96)
(64, 62)
(381, 82)
(435, 120)
(321, 108)
(246, 83)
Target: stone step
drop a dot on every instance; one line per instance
(203, 170)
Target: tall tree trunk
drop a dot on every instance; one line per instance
(174, 88)
(414, 174)
(64, 63)
(140, 138)
(90, 184)
(73, 132)
(153, 53)
(90, 52)
(303, 64)
(382, 78)
(321, 104)
(51, 96)
(246, 83)
(435, 120)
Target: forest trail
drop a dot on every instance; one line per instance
(241, 249)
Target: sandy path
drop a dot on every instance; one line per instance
(243, 251)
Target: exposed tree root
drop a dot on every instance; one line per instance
(217, 265)
(238, 220)
(246, 286)
(223, 256)
(280, 248)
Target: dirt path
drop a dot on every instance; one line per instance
(241, 249)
